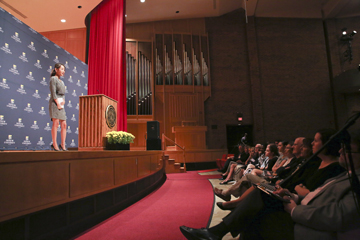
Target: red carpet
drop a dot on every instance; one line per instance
(184, 199)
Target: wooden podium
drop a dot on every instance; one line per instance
(96, 118)
(192, 137)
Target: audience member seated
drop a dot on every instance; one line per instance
(282, 158)
(328, 212)
(272, 152)
(312, 177)
(271, 156)
(240, 157)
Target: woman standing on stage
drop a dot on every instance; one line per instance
(56, 106)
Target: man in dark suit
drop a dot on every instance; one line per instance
(328, 212)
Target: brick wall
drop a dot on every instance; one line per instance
(293, 86)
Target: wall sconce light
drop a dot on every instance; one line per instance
(346, 39)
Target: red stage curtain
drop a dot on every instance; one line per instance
(107, 62)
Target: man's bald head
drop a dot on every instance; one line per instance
(298, 144)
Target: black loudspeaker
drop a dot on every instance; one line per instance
(153, 130)
(153, 144)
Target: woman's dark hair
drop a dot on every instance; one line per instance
(57, 65)
(307, 142)
(334, 146)
(284, 143)
(273, 148)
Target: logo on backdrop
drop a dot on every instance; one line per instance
(1, 30)
(70, 79)
(50, 69)
(40, 142)
(72, 144)
(14, 70)
(66, 65)
(36, 94)
(23, 57)
(48, 97)
(46, 39)
(77, 106)
(68, 130)
(83, 74)
(30, 77)
(73, 118)
(16, 37)
(35, 126)
(26, 141)
(2, 121)
(47, 128)
(17, 20)
(28, 108)
(32, 46)
(78, 83)
(12, 104)
(37, 64)
(43, 82)
(86, 88)
(74, 70)
(77, 131)
(9, 140)
(74, 93)
(66, 91)
(45, 53)
(19, 124)
(56, 59)
(3, 84)
(32, 30)
(6, 48)
(42, 111)
(21, 90)
(69, 104)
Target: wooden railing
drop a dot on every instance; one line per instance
(173, 142)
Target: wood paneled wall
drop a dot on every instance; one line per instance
(72, 40)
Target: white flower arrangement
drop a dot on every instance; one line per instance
(120, 137)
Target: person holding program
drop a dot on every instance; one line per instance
(56, 106)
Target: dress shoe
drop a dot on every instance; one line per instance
(53, 148)
(223, 207)
(198, 234)
(218, 192)
(62, 149)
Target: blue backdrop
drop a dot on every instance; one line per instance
(26, 60)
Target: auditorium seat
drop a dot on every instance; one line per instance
(221, 161)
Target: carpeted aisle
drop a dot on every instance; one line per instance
(184, 199)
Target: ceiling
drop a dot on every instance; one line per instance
(45, 15)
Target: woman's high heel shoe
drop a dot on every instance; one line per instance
(222, 207)
(62, 149)
(53, 148)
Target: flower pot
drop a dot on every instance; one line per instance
(117, 146)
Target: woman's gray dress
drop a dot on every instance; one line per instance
(57, 90)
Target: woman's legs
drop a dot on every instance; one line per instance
(54, 132)
(63, 133)
(229, 176)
